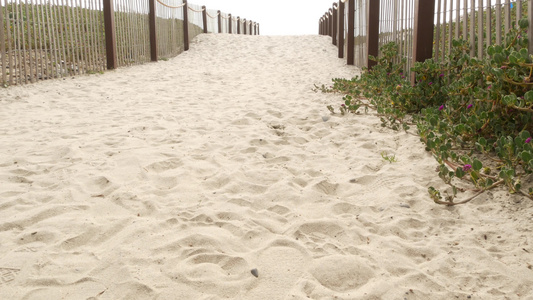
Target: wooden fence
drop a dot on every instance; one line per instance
(360, 27)
(45, 39)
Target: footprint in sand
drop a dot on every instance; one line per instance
(342, 273)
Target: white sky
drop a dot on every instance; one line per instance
(275, 17)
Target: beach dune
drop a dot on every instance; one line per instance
(176, 179)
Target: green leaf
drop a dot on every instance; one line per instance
(526, 156)
(509, 100)
(523, 23)
(528, 96)
(525, 134)
(433, 121)
(490, 50)
(477, 165)
(498, 58)
(466, 160)
(524, 53)
(459, 172)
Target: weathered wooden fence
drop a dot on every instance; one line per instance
(422, 28)
(45, 39)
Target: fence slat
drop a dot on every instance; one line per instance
(488, 22)
(507, 11)
(480, 49)
(3, 45)
(530, 30)
(444, 29)
(472, 27)
(450, 34)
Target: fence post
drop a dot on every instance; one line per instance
(230, 23)
(334, 24)
(219, 21)
(373, 32)
(530, 30)
(328, 23)
(153, 31)
(423, 32)
(185, 25)
(238, 25)
(244, 26)
(340, 39)
(258, 29)
(251, 25)
(110, 38)
(351, 23)
(204, 18)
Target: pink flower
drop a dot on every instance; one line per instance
(469, 106)
(467, 167)
(441, 107)
(528, 140)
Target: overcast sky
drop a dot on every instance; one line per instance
(275, 17)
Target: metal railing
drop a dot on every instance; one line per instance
(46, 39)
(360, 27)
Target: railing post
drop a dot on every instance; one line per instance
(351, 23)
(334, 24)
(373, 32)
(258, 33)
(153, 31)
(204, 18)
(244, 26)
(110, 38)
(251, 32)
(423, 32)
(340, 39)
(185, 25)
(230, 23)
(238, 25)
(219, 21)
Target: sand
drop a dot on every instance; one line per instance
(173, 180)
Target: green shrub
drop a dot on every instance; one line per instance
(474, 115)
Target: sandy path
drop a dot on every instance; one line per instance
(173, 180)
